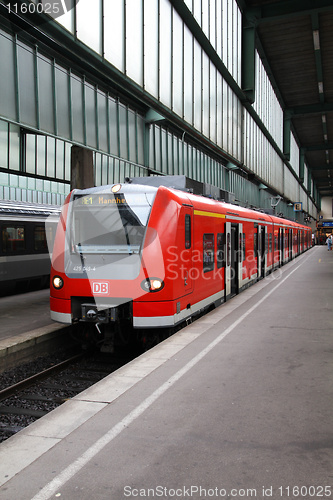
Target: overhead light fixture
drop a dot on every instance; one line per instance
(323, 118)
(321, 87)
(316, 41)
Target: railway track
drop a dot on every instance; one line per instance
(36, 395)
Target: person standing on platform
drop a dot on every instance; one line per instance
(329, 242)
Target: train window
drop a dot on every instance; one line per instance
(40, 244)
(228, 247)
(270, 242)
(266, 243)
(208, 252)
(243, 247)
(187, 231)
(220, 250)
(255, 244)
(13, 239)
(110, 224)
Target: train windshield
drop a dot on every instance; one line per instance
(110, 223)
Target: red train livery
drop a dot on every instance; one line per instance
(157, 256)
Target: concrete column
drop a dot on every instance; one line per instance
(82, 168)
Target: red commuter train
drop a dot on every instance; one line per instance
(155, 256)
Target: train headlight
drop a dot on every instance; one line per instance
(152, 284)
(116, 188)
(57, 282)
(156, 285)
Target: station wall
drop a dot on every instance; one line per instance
(54, 106)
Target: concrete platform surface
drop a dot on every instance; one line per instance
(24, 312)
(236, 405)
(26, 329)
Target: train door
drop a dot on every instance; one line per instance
(240, 256)
(290, 244)
(264, 249)
(302, 248)
(298, 241)
(260, 237)
(281, 246)
(232, 259)
(227, 254)
(186, 263)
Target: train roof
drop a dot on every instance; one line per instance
(21, 208)
(184, 187)
(210, 192)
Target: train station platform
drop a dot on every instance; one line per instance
(26, 327)
(238, 404)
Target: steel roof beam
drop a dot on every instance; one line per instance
(321, 167)
(317, 52)
(287, 8)
(319, 147)
(311, 109)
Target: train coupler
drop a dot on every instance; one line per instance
(99, 315)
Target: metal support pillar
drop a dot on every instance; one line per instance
(82, 168)
(248, 60)
(286, 135)
(309, 182)
(301, 165)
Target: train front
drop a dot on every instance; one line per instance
(98, 265)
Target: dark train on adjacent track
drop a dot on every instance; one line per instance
(157, 256)
(24, 257)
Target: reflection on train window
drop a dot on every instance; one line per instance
(13, 240)
(208, 252)
(220, 250)
(105, 226)
(40, 244)
(50, 236)
(255, 244)
(243, 247)
(276, 242)
(266, 244)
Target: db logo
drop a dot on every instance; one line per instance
(100, 288)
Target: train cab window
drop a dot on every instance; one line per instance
(220, 250)
(40, 244)
(208, 252)
(13, 239)
(187, 231)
